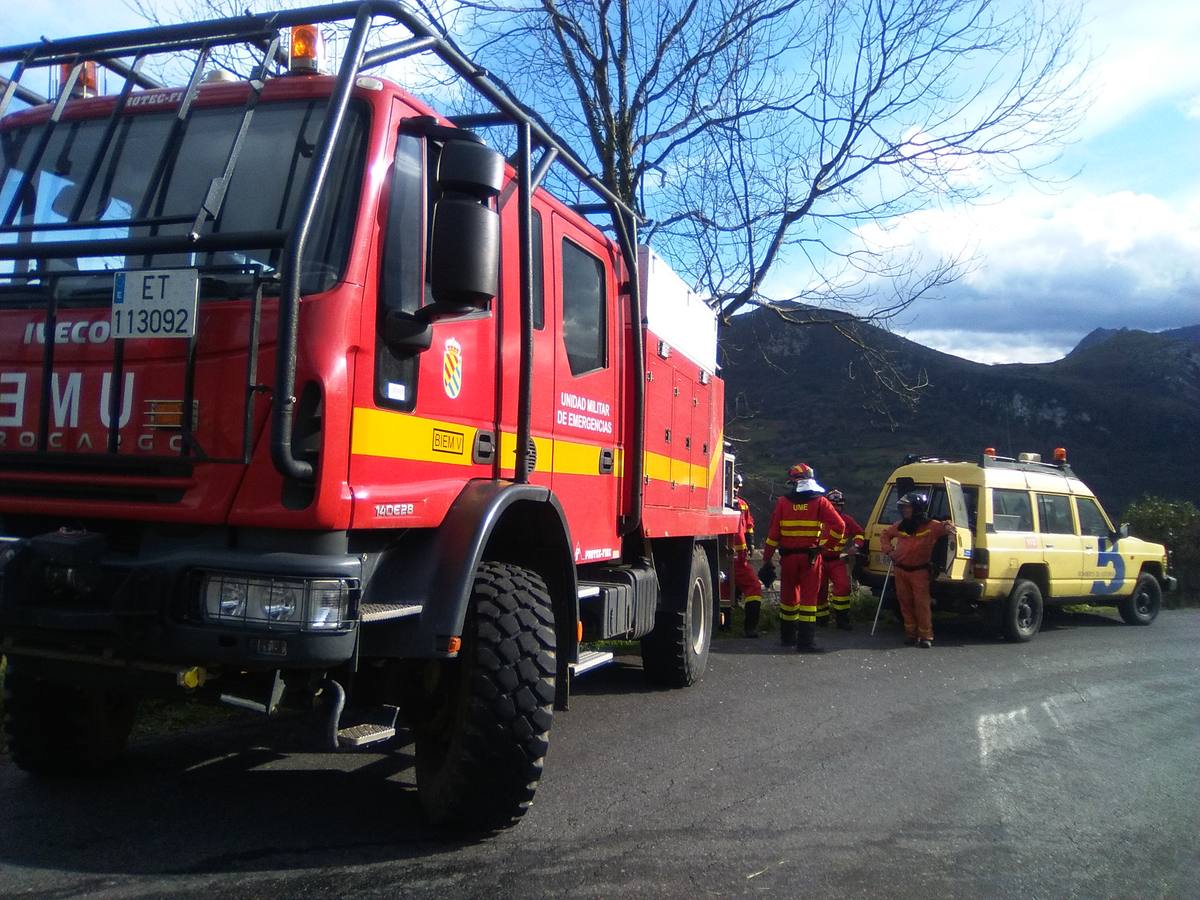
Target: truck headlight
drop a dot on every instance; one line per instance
(278, 604)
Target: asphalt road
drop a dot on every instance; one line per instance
(1063, 767)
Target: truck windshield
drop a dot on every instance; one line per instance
(263, 194)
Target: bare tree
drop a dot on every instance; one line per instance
(773, 145)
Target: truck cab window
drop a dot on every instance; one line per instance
(539, 295)
(401, 275)
(584, 321)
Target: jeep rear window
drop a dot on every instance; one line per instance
(939, 506)
(1011, 510)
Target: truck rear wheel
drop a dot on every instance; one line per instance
(58, 729)
(676, 651)
(1141, 607)
(479, 758)
(1022, 611)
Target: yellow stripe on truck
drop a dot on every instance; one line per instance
(392, 435)
(377, 432)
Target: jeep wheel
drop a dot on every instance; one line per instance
(675, 653)
(1022, 611)
(480, 756)
(1142, 607)
(58, 729)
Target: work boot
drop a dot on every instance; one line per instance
(843, 620)
(925, 643)
(823, 621)
(806, 639)
(753, 608)
(787, 633)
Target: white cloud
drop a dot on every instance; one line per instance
(1052, 268)
(1143, 53)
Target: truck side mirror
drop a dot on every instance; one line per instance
(1123, 531)
(464, 257)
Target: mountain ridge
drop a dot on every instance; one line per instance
(1125, 403)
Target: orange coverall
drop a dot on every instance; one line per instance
(836, 573)
(910, 557)
(796, 527)
(743, 573)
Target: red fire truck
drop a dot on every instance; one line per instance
(311, 401)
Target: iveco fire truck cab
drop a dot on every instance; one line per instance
(311, 400)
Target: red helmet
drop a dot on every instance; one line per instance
(800, 472)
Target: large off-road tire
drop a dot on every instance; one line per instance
(675, 653)
(1022, 614)
(479, 758)
(1142, 606)
(56, 729)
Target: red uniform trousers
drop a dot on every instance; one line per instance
(912, 590)
(746, 580)
(799, 587)
(838, 577)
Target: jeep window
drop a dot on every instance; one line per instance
(1054, 514)
(1011, 510)
(1091, 519)
(939, 507)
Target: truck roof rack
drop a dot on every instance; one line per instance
(262, 33)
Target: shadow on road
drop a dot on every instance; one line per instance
(219, 801)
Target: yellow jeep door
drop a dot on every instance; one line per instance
(961, 543)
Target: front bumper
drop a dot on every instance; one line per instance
(91, 600)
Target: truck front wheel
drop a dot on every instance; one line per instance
(676, 651)
(58, 729)
(480, 756)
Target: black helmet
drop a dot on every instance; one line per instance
(918, 501)
(836, 498)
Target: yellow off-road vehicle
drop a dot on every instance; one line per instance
(1026, 534)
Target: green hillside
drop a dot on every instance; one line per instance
(1125, 404)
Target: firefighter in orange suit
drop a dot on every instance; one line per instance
(837, 568)
(803, 526)
(743, 573)
(914, 536)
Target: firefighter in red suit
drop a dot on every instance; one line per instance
(914, 536)
(803, 526)
(744, 578)
(835, 586)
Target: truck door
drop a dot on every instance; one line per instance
(586, 413)
(1062, 549)
(960, 544)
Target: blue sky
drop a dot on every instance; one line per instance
(1116, 246)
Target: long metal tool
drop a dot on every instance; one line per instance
(882, 591)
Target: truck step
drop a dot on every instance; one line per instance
(380, 726)
(379, 612)
(591, 659)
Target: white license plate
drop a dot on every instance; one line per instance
(155, 303)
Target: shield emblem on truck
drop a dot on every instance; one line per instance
(452, 364)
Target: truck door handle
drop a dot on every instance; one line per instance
(606, 460)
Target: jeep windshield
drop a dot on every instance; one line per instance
(45, 189)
